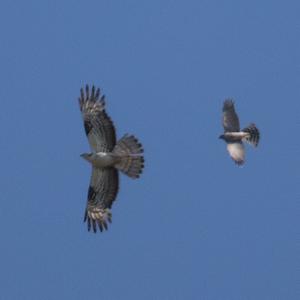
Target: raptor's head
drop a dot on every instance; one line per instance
(87, 156)
(222, 137)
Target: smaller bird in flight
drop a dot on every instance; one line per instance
(233, 136)
(107, 158)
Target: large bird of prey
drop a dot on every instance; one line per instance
(107, 158)
(233, 136)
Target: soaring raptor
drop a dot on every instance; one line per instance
(233, 136)
(107, 158)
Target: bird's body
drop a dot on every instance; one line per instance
(107, 158)
(101, 159)
(234, 137)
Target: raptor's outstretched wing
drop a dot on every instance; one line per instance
(102, 192)
(98, 126)
(230, 118)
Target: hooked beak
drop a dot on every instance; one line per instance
(83, 155)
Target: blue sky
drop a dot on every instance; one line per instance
(195, 226)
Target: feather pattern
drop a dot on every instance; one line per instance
(98, 125)
(130, 151)
(102, 193)
(253, 135)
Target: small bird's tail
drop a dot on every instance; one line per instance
(130, 151)
(253, 137)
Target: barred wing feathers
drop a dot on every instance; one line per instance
(99, 128)
(102, 193)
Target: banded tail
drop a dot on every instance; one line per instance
(253, 137)
(130, 150)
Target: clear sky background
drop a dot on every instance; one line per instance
(195, 226)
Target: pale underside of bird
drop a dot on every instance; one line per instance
(233, 136)
(107, 158)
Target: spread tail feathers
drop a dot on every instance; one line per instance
(253, 137)
(130, 152)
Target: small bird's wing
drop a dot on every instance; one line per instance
(99, 128)
(237, 152)
(102, 192)
(230, 118)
